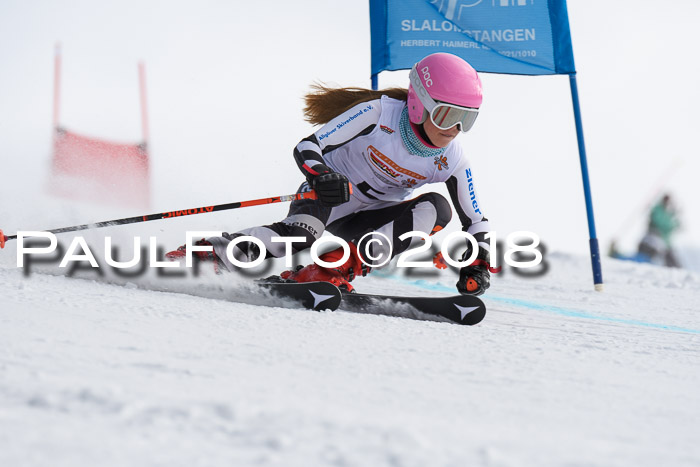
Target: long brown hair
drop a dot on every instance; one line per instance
(323, 104)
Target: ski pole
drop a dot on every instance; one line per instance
(170, 214)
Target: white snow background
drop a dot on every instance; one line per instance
(93, 373)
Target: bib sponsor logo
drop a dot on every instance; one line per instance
(389, 167)
(441, 162)
(304, 226)
(472, 195)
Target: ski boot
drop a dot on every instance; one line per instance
(341, 276)
(203, 256)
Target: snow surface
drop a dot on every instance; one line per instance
(215, 71)
(93, 373)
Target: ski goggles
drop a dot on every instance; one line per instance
(443, 115)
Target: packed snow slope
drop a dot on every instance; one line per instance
(93, 373)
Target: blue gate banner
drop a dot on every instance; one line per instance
(523, 37)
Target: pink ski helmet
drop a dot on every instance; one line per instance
(445, 88)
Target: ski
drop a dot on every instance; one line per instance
(461, 309)
(312, 295)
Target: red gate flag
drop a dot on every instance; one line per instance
(93, 169)
(100, 171)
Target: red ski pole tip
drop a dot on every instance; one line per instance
(2, 239)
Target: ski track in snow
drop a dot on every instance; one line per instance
(556, 374)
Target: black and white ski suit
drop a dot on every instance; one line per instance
(365, 144)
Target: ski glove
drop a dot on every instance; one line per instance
(332, 188)
(475, 278)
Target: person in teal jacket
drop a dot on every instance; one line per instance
(663, 222)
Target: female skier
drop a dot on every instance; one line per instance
(374, 149)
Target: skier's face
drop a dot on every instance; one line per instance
(440, 138)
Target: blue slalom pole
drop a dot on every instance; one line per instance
(375, 81)
(593, 242)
